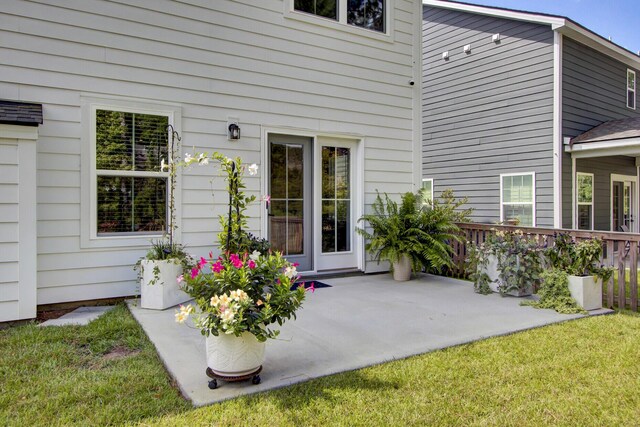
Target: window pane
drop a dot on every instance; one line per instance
(150, 141)
(427, 191)
(324, 8)
(366, 14)
(517, 189)
(128, 204)
(523, 213)
(631, 99)
(328, 226)
(585, 188)
(584, 217)
(631, 80)
(128, 141)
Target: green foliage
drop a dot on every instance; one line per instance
(248, 287)
(580, 258)
(164, 250)
(519, 262)
(414, 229)
(554, 293)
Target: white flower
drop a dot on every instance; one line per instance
(253, 169)
(290, 272)
(188, 159)
(255, 255)
(163, 165)
(205, 161)
(183, 313)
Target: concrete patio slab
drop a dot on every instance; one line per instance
(80, 316)
(360, 321)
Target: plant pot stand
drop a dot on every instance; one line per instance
(253, 376)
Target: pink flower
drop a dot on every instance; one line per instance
(312, 287)
(266, 198)
(218, 267)
(252, 264)
(194, 272)
(202, 262)
(237, 263)
(210, 254)
(295, 264)
(180, 278)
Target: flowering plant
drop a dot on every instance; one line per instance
(246, 288)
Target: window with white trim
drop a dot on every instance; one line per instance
(427, 191)
(130, 189)
(584, 194)
(631, 89)
(517, 198)
(369, 14)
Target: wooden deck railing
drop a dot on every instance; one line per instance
(620, 251)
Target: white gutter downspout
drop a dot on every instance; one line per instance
(557, 130)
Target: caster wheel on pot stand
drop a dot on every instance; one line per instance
(213, 384)
(256, 379)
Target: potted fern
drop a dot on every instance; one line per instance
(412, 235)
(166, 260)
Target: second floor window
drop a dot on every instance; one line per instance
(631, 89)
(369, 14)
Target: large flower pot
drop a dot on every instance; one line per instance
(402, 269)
(587, 291)
(160, 291)
(232, 356)
(493, 272)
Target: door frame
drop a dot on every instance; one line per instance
(358, 187)
(633, 180)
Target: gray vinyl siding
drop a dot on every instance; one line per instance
(602, 168)
(593, 92)
(487, 112)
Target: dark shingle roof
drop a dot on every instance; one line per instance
(614, 129)
(20, 113)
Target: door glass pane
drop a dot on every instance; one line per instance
(343, 226)
(328, 172)
(336, 199)
(286, 211)
(342, 173)
(295, 172)
(295, 235)
(328, 226)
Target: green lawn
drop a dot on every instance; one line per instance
(582, 372)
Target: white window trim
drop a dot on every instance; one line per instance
(635, 85)
(579, 203)
(341, 23)
(89, 211)
(432, 192)
(533, 203)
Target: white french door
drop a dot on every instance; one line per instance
(623, 203)
(335, 199)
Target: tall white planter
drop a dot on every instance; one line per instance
(165, 292)
(402, 269)
(231, 356)
(494, 278)
(587, 291)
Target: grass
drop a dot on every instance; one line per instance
(581, 372)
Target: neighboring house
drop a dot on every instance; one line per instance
(504, 92)
(322, 91)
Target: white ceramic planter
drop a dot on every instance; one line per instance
(231, 356)
(494, 278)
(165, 292)
(402, 269)
(587, 291)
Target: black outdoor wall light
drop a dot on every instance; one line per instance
(234, 131)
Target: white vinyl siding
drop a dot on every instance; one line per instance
(211, 61)
(631, 89)
(585, 202)
(517, 198)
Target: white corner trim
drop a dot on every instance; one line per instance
(557, 130)
(19, 132)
